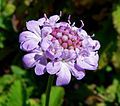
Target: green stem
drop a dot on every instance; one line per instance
(49, 85)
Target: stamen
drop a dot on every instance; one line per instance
(93, 35)
(45, 16)
(65, 38)
(60, 13)
(64, 45)
(71, 47)
(69, 19)
(59, 35)
(60, 40)
(82, 24)
(73, 24)
(69, 42)
(70, 36)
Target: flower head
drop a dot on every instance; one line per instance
(58, 48)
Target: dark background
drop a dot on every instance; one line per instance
(21, 87)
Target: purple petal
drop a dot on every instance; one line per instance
(53, 67)
(85, 43)
(34, 27)
(53, 19)
(92, 59)
(78, 74)
(40, 58)
(39, 69)
(76, 71)
(26, 35)
(45, 45)
(54, 55)
(94, 44)
(60, 24)
(82, 33)
(46, 42)
(68, 54)
(72, 54)
(91, 44)
(97, 45)
(29, 60)
(49, 55)
(64, 75)
(74, 28)
(41, 21)
(65, 54)
(46, 31)
(88, 62)
(29, 45)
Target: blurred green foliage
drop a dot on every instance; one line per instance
(21, 87)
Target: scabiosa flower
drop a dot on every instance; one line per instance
(58, 48)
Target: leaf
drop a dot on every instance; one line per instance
(33, 102)
(111, 91)
(5, 80)
(108, 68)
(100, 89)
(2, 24)
(16, 96)
(116, 18)
(116, 60)
(116, 22)
(100, 104)
(118, 94)
(9, 9)
(56, 97)
(17, 70)
(2, 4)
(2, 38)
(2, 99)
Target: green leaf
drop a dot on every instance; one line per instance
(116, 18)
(5, 80)
(9, 9)
(2, 24)
(100, 104)
(17, 70)
(118, 93)
(108, 68)
(33, 102)
(2, 100)
(16, 96)
(116, 22)
(100, 89)
(56, 97)
(111, 91)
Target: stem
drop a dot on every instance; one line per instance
(49, 85)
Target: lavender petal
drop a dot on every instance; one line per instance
(39, 69)
(64, 75)
(88, 62)
(33, 26)
(53, 67)
(29, 60)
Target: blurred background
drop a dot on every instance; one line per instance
(21, 87)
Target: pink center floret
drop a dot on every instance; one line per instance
(66, 37)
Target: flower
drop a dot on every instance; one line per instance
(58, 48)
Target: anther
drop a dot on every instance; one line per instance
(64, 37)
(69, 19)
(82, 24)
(45, 16)
(64, 45)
